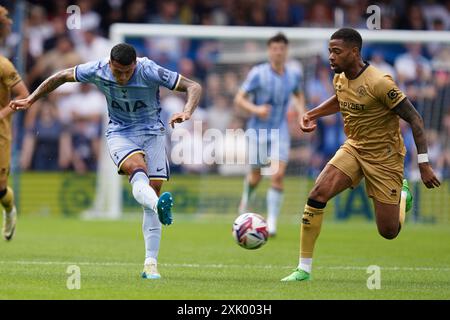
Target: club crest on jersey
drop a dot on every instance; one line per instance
(361, 91)
(138, 104)
(393, 94)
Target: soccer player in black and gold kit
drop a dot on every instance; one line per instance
(371, 105)
(10, 83)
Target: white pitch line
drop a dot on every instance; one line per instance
(218, 266)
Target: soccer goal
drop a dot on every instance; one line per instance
(220, 57)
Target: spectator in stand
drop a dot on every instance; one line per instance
(62, 57)
(45, 143)
(85, 110)
(319, 16)
(353, 16)
(283, 14)
(136, 12)
(407, 65)
(89, 19)
(414, 19)
(38, 29)
(378, 62)
(435, 12)
(93, 46)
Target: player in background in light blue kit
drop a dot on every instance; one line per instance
(135, 134)
(266, 94)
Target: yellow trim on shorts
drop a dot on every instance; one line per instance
(119, 170)
(158, 179)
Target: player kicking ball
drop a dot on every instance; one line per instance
(135, 133)
(371, 105)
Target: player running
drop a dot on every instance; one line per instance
(266, 94)
(10, 83)
(135, 133)
(371, 105)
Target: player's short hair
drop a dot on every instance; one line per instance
(350, 36)
(279, 37)
(123, 53)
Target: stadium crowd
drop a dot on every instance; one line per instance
(64, 132)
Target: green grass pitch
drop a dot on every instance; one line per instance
(199, 260)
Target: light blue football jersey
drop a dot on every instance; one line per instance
(133, 109)
(268, 87)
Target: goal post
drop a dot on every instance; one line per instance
(119, 31)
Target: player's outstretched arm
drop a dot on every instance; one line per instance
(44, 88)
(194, 92)
(19, 91)
(329, 106)
(407, 112)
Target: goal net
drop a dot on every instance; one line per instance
(220, 57)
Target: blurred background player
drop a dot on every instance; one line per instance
(135, 134)
(371, 105)
(10, 83)
(266, 94)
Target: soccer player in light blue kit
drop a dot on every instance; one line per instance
(266, 94)
(135, 133)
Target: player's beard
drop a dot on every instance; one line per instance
(336, 69)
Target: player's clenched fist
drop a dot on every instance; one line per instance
(22, 104)
(179, 117)
(306, 124)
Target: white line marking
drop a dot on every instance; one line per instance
(218, 266)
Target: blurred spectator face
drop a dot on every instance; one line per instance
(277, 52)
(415, 17)
(5, 23)
(37, 16)
(122, 73)
(341, 55)
(85, 5)
(64, 45)
(59, 25)
(89, 36)
(169, 9)
(186, 67)
(320, 14)
(354, 16)
(47, 113)
(438, 25)
(213, 84)
(258, 17)
(377, 57)
(442, 78)
(136, 11)
(414, 48)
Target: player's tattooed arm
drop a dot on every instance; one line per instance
(194, 93)
(407, 112)
(44, 88)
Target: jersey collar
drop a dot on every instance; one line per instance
(366, 65)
